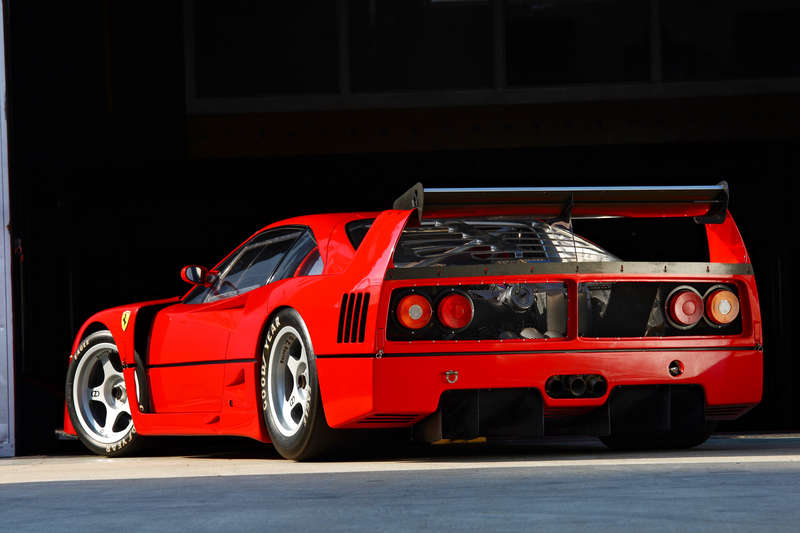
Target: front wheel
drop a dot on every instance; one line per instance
(290, 397)
(97, 398)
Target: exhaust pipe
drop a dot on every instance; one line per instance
(553, 387)
(574, 384)
(596, 385)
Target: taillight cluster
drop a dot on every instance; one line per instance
(454, 311)
(685, 307)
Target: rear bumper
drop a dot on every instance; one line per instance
(399, 391)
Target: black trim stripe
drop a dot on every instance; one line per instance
(198, 363)
(537, 352)
(533, 269)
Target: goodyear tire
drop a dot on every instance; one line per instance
(290, 397)
(97, 399)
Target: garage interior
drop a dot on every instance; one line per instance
(147, 137)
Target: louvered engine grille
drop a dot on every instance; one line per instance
(353, 317)
(444, 242)
(389, 419)
(726, 411)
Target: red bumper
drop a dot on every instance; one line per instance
(398, 391)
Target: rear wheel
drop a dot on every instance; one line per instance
(290, 397)
(97, 398)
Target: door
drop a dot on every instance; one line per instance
(189, 341)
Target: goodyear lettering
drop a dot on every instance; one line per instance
(273, 328)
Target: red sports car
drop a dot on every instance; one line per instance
(458, 314)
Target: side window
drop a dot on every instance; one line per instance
(302, 260)
(253, 265)
(249, 267)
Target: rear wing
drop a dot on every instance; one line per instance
(706, 204)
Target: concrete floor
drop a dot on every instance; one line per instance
(731, 483)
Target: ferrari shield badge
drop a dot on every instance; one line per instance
(125, 317)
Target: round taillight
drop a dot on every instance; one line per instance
(414, 311)
(722, 307)
(455, 311)
(684, 307)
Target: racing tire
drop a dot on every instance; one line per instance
(290, 396)
(97, 399)
(658, 441)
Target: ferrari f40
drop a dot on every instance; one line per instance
(457, 314)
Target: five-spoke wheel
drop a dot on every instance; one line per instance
(287, 385)
(97, 397)
(290, 397)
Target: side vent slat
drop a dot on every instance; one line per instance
(356, 316)
(363, 324)
(342, 314)
(349, 317)
(353, 317)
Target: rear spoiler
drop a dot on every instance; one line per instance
(706, 204)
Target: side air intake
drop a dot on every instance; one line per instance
(353, 317)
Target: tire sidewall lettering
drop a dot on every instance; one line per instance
(272, 332)
(264, 361)
(101, 448)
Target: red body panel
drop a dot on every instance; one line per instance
(203, 359)
(725, 244)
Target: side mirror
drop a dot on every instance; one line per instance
(196, 275)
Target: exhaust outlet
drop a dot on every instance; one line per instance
(575, 384)
(553, 387)
(596, 385)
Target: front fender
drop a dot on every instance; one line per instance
(123, 333)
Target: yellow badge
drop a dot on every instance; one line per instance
(125, 316)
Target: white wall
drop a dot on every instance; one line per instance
(6, 329)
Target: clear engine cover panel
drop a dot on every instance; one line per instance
(495, 241)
